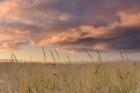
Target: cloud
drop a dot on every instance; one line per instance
(129, 20)
(65, 13)
(15, 34)
(103, 24)
(122, 34)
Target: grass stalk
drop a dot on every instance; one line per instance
(44, 54)
(15, 58)
(90, 56)
(68, 58)
(52, 55)
(99, 55)
(58, 56)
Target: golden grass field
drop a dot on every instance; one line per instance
(70, 78)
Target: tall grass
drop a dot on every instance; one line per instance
(58, 56)
(99, 61)
(14, 57)
(68, 58)
(99, 56)
(44, 54)
(68, 78)
(52, 55)
(96, 77)
(90, 56)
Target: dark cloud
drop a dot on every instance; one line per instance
(90, 12)
(1, 1)
(73, 23)
(126, 38)
(123, 34)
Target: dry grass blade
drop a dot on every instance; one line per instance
(99, 60)
(52, 55)
(44, 54)
(127, 59)
(15, 58)
(97, 69)
(123, 59)
(99, 55)
(68, 58)
(90, 56)
(12, 59)
(57, 54)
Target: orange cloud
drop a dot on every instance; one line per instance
(74, 35)
(74, 30)
(13, 38)
(9, 46)
(101, 46)
(22, 11)
(129, 19)
(96, 37)
(11, 10)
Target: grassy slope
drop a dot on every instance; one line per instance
(69, 78)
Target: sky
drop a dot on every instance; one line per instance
(69, 26)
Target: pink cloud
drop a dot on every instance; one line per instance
(79, 36)
(129, 19)
(74, 31)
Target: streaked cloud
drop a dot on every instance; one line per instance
(103, 24)
(121, 34)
